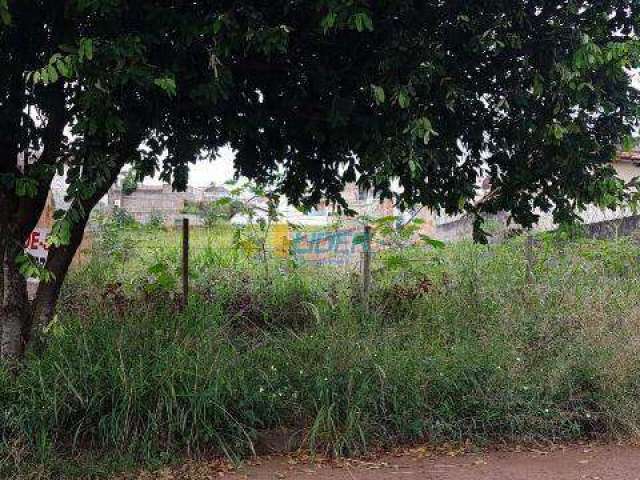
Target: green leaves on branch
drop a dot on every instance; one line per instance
(29, 267)
(378, 94)
(629, 143)
(62, 66)
(86, 50)
(329, 21)
(26, 187)
(359, 20)
(362, 21)
(167, 84)
(60, 232)
(422, 129)
(402, 96)
(5, 16)
(58, 66)
(432, 242)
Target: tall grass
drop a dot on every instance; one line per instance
(456, 344)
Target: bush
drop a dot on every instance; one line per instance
(156, 220)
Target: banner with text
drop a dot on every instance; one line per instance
(339, 247)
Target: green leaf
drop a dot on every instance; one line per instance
(432, 241)
(386, 220)
(396, 261)
(29, 267)
(26, 187)
(167, 84)
(5, 16)
(63, 69)
(329, 21)
(629, 143)
(362, 22)
(403, 99)
(378, 94)
(537, 86)
(88, 49)
(53, 73)
(217, 26)
(60, 232)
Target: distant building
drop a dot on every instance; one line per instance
(363, 202)
(148, 201)
(627, 167)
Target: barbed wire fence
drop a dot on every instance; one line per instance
(352, 249)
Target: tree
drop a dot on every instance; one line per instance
(129, 183)
(311, 95)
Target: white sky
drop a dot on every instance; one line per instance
(217, 171)
(205, 172)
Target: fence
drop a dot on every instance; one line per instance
(351, 248)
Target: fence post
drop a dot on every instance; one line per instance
(185, 261)
(366, 267)
(529, 256)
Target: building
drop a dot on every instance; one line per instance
(627, 167)
(152, 201)
(363, 202)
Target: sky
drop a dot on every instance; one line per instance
(206, 172)
(217, 171)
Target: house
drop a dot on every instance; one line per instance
(363, 202)
(151, 201)
(627, 167)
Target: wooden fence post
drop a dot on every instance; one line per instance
(185, 261)
(529, 256)
(366, 267)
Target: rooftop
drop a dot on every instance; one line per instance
(630, 156)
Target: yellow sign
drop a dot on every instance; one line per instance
(280, 239)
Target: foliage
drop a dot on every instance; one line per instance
(397, 232)
(217, 211)
(311, 96)
(468, 348)
(427, 97)
(113, 238)
(121, 218)
(221, 210)
(258, 209)
(129, 183)
(156, 220)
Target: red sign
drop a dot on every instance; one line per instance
(36, 245)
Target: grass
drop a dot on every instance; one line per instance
(457, 344)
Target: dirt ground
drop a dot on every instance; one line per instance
(575, 462)
(579, 462)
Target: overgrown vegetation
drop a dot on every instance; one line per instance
(458, 343)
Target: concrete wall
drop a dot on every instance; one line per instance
(618, 227)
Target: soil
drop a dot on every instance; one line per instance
(576, 462)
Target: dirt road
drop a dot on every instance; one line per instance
(578, 462)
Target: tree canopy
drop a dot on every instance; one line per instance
(312, 94)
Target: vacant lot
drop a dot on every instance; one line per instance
(456, 343)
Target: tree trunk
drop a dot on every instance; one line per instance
(60, 258)
(16, 318)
